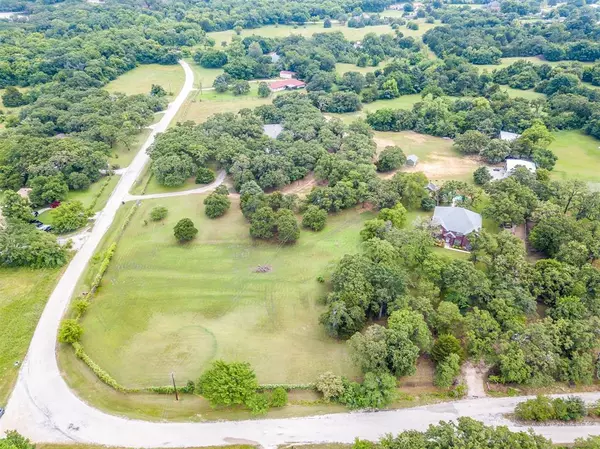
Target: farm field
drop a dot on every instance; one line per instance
(306, 30)
(437, 159)
(527, 94)
(141, 79)
(203, 78)
(139, 328)
(342, 68)
(578, 156)
(23, 295)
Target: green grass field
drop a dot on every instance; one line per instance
(23, 295)
(141, 79)
(402, 102)
(342, 68)
(301, 30)
(201, 105)
(166, 307)
(578, 156)
(87, 197)
(527, 94)
(505, 62)
(203, 78)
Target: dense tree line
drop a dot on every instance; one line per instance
(485, 308)
(483, 37)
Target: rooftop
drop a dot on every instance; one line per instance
(272, 130)
(511, 164)
(457, 219)
(287, 83)
(509, 137)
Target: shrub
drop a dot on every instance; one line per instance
(158, 213)
(569, 409)
(229, 384)
(329, 385)
(185, 230)
(287, 226)
(205, 175)
(446, 371)
(70, 331)
(444, 346)
(80, 306)
(428, 204)
(538, 409)
(482, 176)
(377, 391)
(391, 158)
(70, 216)
(279, 397)
(314, 218)
(216, 205)
(78, 181)
(258, 404)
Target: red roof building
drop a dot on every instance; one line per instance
(277, 86)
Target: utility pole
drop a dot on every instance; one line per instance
(174, 386)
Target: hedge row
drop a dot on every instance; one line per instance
(102, 189)
(98, 371)
(266, 387)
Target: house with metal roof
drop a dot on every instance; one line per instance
(512, 164)
(272, 130)
(509, 137)
(456, 223)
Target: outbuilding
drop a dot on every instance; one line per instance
(291, 84)
(286, 74)
(456, 223)
(412, 160)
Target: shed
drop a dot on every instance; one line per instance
(272, 130)
(286, 74)
(511, 164)
(412, 160)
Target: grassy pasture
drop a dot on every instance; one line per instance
(140, 328)
(529, 94)
(505, 62)
(141, 79)
(23, 295)
(578, 156)
(402, 102)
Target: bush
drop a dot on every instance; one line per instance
(158, 213)
(428, 204)
(258, 404)
(216, 205)
(570, 409)
(229, 384)
(185, 230)
(70, 216)
(444, 346)
(446, 371)
(539, 409)
(70, 331)
(482, 176)
(329, 385)
(377, 391)
(204, 175)
(314, 218)
(279, 397)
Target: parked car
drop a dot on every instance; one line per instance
(54, 204)
(1, 412)
(45, 228)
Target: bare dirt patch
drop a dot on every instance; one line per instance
(474, 376)
(263, 269)
(440, 166)
(301, 187)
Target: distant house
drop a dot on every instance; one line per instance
(286, 74)
(357, 44)
(456, 224)
(493, 6)
(274, 57)
(512, 164)
(397, 6)
(291, 84)
(509, 137)
(412, 160)
(272, 130)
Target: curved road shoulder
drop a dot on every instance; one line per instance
(43, 408)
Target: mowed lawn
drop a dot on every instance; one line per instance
(141, 79)
(402, 102)
(301, 30)
(578, 156)
(167, 307)
(23, 295)
(200, 105)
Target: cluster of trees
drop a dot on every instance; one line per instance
(483, 37)
(217, 203)
(484, 308)
(542, 409)
(231, 384)
(21, 244)
(531, 145)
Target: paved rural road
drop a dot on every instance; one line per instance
(44, 409)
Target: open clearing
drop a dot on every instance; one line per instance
(578, 156)
(437, 159)
(141, 79)
(342, 68)
(23, 295)
(203, 78)
(505, 62)
(402, 102)
(300, 30)
(140, 328)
